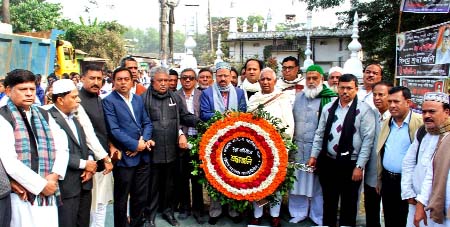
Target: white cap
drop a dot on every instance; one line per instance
(336, 69)
(62, 86)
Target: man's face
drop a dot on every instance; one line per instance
(313, 79)
(445, 40)
(267, 82)
(252, 71)
(92, 81)
(160, 82)
(234, 78)
(123, 82)
(289, 70)
(333, 78)
(188, 81)
(205, 79)
(173, 82)
(223, 77)
(22, 95)
(434, 115)
(372, 75)
(398, 105)
(380, 97)
(347, 91)
(133, 67)
(69, 103)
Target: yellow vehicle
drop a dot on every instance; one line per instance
(66, 61)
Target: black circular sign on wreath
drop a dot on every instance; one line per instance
(241, 156)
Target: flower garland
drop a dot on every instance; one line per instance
(270, 172)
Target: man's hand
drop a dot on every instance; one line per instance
(141, 145)
(131, 154)
(108, 165)
(420, 215)
(53, 177)
(312, 162)
(182, 141)
(357, 174)
(412, 201)
(19, 190)
(150, 144)
(91, 166)
(86, 176)
(50, 188)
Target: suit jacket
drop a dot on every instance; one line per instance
(207, 103)
(71, 185)
(197, 94)
(124, 130)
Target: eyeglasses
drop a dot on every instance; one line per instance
(286, 68)
(188, 78)
(132, 67)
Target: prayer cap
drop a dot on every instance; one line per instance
(336, 69)
(62, 86)
(437, 97)
(315, 68)
(222, 65)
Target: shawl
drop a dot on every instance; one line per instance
(218, 101)
(325, 97)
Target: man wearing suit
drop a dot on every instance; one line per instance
(221, 96)
(77, 185)
(191, 100)
(167, 113)
(130, 130)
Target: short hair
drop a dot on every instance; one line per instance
(65, 76)
(377, 64)
(125, 59)
(173, 72)
(260, 63)
(206, 69)
(92, 67)
(189, 70)
(73, 74)
(120, 69)
(269, 70)
(290, 58)
(349, 78)
(158, 69)
(233, 69)
(2, 82)
(405, 91)
(383, 83)
(19, 76)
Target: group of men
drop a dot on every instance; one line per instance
(57, 160)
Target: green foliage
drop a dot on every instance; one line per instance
(147, 41)
(30, 15)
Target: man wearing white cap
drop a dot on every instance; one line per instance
(333, 77)
(77, 185)
(34, 154)
(418, 158)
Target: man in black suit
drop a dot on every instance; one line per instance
(77, 184)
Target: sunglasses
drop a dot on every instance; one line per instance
(188, 77)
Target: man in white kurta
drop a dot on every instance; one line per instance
(290, 82)
(41, 211)
(277, 105)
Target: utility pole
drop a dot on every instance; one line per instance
(163, 32)
(210, 28)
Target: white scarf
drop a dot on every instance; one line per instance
(218, 101)
(247, 86)
(283, 84)
(260, 98)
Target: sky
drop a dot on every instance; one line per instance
(145, 13)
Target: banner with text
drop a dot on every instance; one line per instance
(420, 86)
(425, 6)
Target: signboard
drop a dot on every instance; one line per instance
(420, 86)
(425, 6)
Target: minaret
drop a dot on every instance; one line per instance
(354, 65)
(308, 61)
(219, 52)
(233, 22)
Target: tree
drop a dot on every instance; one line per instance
(378, 28)
(6, 16)
(30, 15)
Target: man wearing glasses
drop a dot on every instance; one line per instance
(443, 52)
(290, 83)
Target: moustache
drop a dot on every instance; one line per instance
(428, 120)
(95, 86)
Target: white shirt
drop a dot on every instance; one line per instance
(128, 102)
(20, 172)
(366, 97)
(91, 138)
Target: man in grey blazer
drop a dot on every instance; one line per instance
(191, 100)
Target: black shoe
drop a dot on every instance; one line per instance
(198, 218)
(237, 219)
(213, 220)
(170, 219)
(255, 221)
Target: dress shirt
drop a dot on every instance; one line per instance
(128, 102)
(396, 145)
(190, 106)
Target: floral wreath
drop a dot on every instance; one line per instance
(268, 172)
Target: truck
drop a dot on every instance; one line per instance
(40, 52)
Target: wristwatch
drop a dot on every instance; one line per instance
(359, 167)
(107, 159)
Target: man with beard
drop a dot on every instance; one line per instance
(373, 73)
(333, 77)
(371, 197)
(205, 78)
(435, 114)
(395, 137)
(274, 102)
(221, 96)
(306, 196)
(252, 71)
(167, 113)
(341, 147)
(291, 81)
